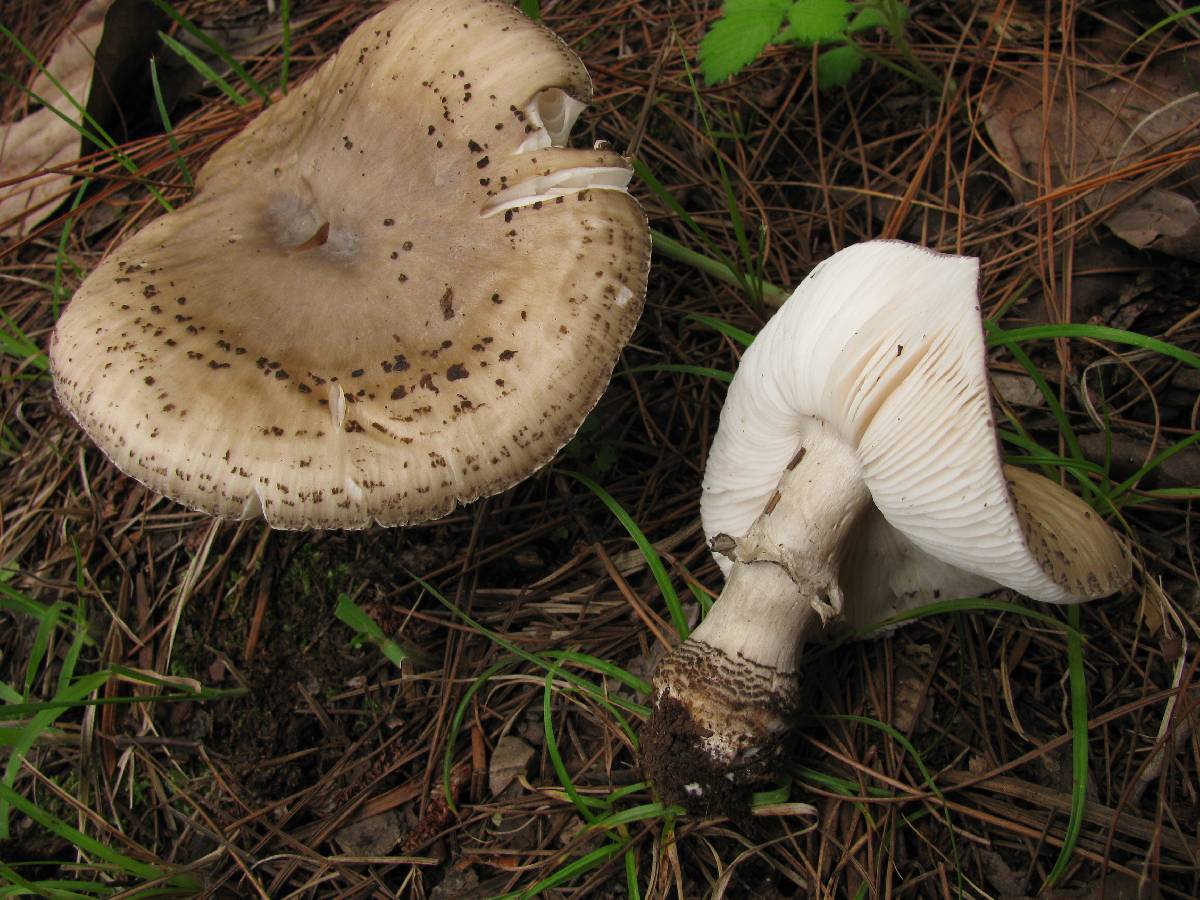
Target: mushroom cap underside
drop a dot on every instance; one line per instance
(883, 343)
(345, 325)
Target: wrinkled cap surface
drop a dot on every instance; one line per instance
(883, 342)
(392, 293)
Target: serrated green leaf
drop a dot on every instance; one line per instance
(836, 67)
(813, 21)
(733, 42)
(865, 19)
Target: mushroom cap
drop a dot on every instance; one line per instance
(393, 292)
(883, 342)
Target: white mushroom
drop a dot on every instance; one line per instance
(855, 474)
(395, 291)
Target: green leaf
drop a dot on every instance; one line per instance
(867, 18)
(349, 613)
(837, 66)
(813, 21)
(734, 41)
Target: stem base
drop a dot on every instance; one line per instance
(716, 729)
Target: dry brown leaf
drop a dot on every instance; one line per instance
(43, 140)
(1120, 116)
(373, 836)
(510, 759)
(910, 686)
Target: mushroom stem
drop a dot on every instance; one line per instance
(724, 698)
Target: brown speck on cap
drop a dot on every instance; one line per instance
(310, 288)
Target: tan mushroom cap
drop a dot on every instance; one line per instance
(345, 325)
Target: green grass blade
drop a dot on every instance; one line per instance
(456, 722)
(632, 889)
(215, 48)
(1180, 493)
(209, 73)
(100, 137)
(683, 369)
(974, 604)
(750, 263)
(603, 666)
(668, 199)
(349, 613)
(9, 797)
(166, 124)
(14, 601)
(15, 343)
(722, 271)
(1079, 748)
(59, 293)
(645, 812)
(79, 640)
(927, 777)
(1154, 462)
(1048, 393)
(611, 703)
(648, 552)
(845, 788)
(556, 760)
(571, 870)
(735, 334)
(41, 641)
(1009, 337)
(34, 728)
(1162, 23)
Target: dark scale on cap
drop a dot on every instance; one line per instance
(447, 304)
(399, 393)
(457, 372)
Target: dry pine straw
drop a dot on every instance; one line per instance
(262, 786)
